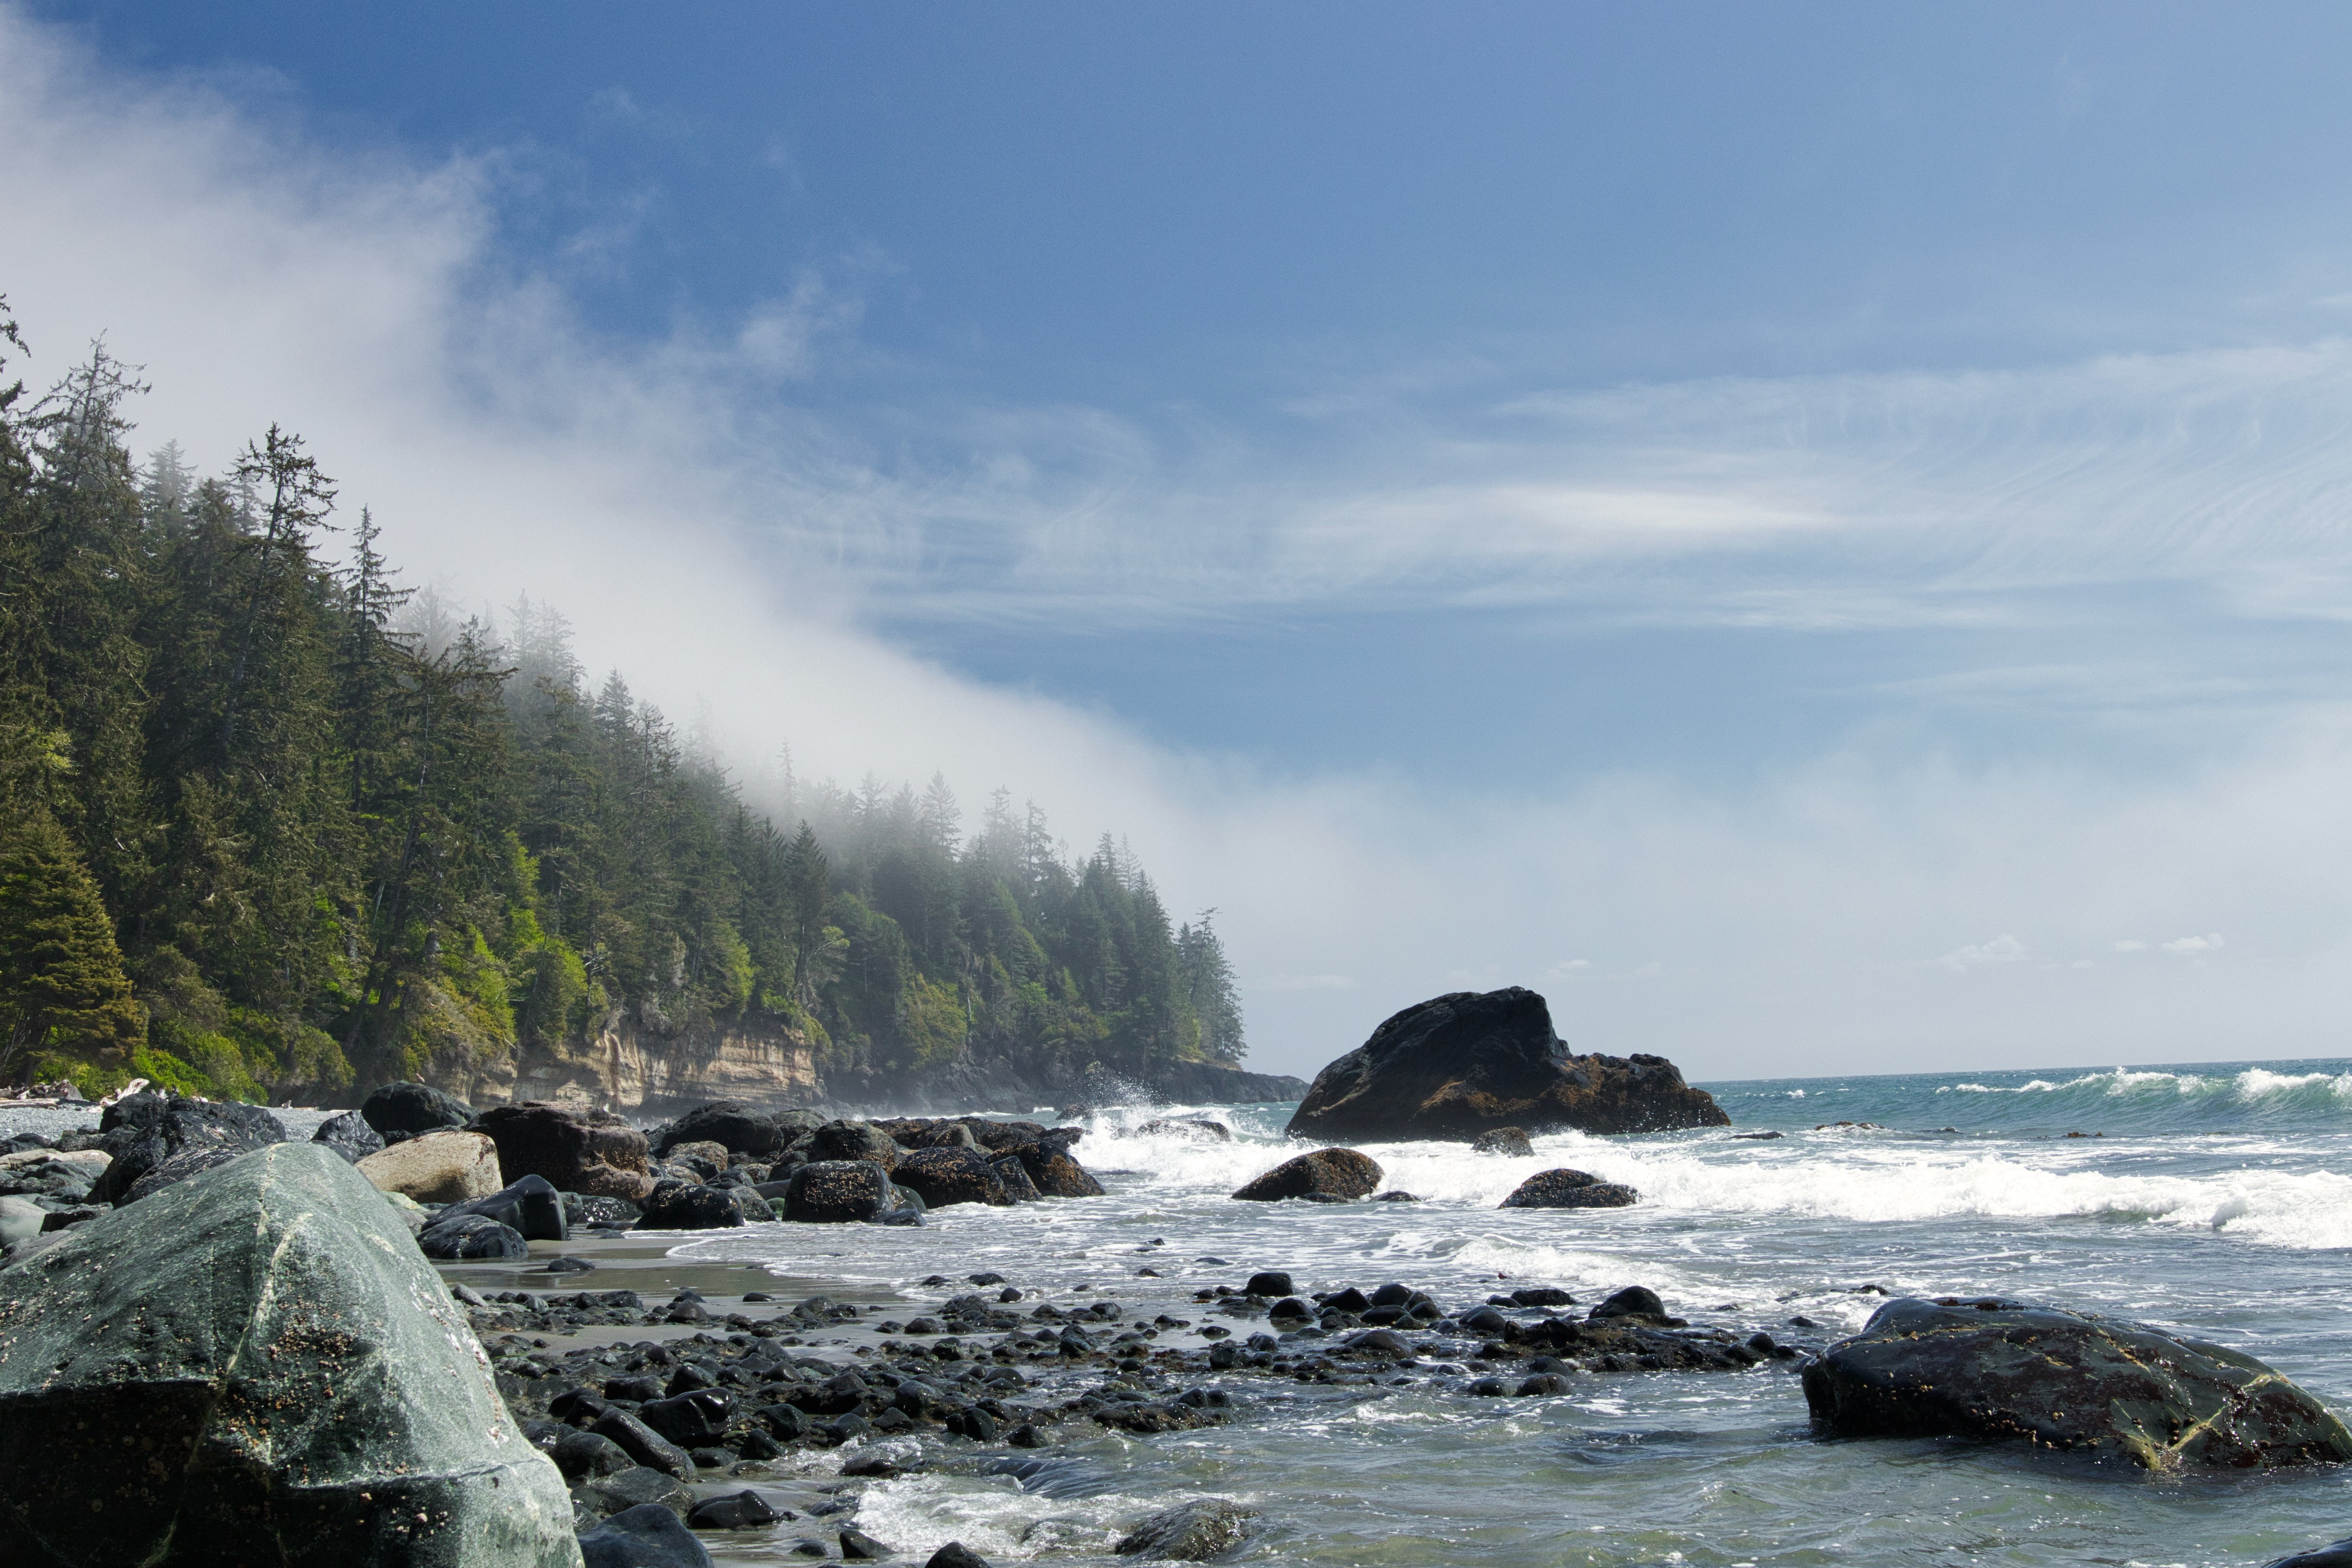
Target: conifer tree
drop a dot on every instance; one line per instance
(61, 980)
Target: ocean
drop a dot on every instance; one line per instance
(2213, 1199)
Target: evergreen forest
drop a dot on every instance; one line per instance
(274, 827)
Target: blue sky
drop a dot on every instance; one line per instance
(1725, 512)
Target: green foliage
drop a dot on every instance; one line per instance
(333, 832)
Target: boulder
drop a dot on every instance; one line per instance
(1502, 1141)
(690, 1206)
(729, 1124)
(445, 1167)
(2336, 1556)
(580, 1149)
(1189, 1533)
(413, 1109)
(179, 1168)
(1055, 1173)
(1325, 1172)
(50, 1177)
(1197, 1127)
(955, 1555)
(20, 1220)
(641, 1443)
(948, 1173)
(834, 1192)
(2007, 1371)
(707, 1158)
(646, 1536)
(1466, 1063)
(837, 1140)
(349, 1135)
(1018, 1184)
(747, 1509)
(1566, 1189)
(530, 1206)
(471, 1238)
(1268, 1282)
(639, 1486)
(1633, 1304)
(143, 1131)
(139, 1424)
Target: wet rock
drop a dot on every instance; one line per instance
(445, 1167)
(1055, 1173)
(413, 1109)
(349, 1136)
(955, 1555)
(47, 1175)
(1635, 1302)
(1768, 1137)
(646, 1536)
(1395, 1195)
(2339, 1555)
(840, 1140)
(1566, 1189)
(1197, 1127)
(578, 1149)
(1542, 1296)
(1268, 1282)
(589, 1456)
(746, 1510)
(1189, 1533)
(1502, 1141)
(1014, 1175)
(1463, 1064)
(693, 1419)
(689, 1206)
(839, 1192)
(371, 1432)
(942, 1175)
(471, 1238)
(734, 1126)
(856, 1546)
(1998, 1370)
(145, 1130)
(530, 1206)
(644, 1445)
(1328, 1173)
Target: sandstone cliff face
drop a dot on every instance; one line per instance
(630, 1070)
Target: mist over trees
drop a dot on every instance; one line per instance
(273, 825)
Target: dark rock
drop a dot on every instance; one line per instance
(69, 1181)
(1328, 1173)
(1463, 1064)
(837, 1191)
(471, 1237)
(1502, 1141)
(690, 1207)
(1997, 1370)
(1189, 1533)
(413, 1109)
(1768, 1137)
(745, 1510)
(1544, 1383)
(145, 1130)
(1014, 1175)
(1397, 1197)
(1271, 1282)
(1566, 1189)
(856, 1546)
(1055, 1173)
(854, 1141)
(73, 1214)
(530, 1206)
(1633, 1301)
(1387, 1341)
(1292, 1308)
(349, 1135)
(370, 1432)
(1198, 1127)
(692, 1419)
(646, 1536)
(785, 1422)
(579, 1149)
(637, 1487)
(731, 1124)
(944, 1175)
(586, 1455)
(1542, 1295)
(2339, 1555)
(955, 1555)
(641, 1443)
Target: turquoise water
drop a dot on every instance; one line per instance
(2216, 1199)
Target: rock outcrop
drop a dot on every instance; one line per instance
(1566, 1189)
(144, 1130)
(255, 1365)
(945, 1176)
(1466, 1063)
(578, 1148)
(2009, 1370)
(1337, 1175)
(413, 1109)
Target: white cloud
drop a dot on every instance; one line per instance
(718, 544)
(1568, 968)
(2190, 946)
(2003, 949)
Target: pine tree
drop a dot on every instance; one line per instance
(61, 980)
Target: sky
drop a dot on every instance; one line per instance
(1813, 535)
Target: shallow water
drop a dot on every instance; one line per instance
(2217, 1200)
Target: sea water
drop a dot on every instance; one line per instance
(2215, 1200)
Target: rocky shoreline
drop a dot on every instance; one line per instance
(660, 1410)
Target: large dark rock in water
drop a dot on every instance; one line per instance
(1325, 1173)
(255, 1365)
(578, 1148)
(947, 1175)
(2001, 1370)
(1566, 1189)
(144, 1130)
(854, 1141)
(730, 1123)
(1055, 1170)
(839, 1192)
(1188, 1532)
(1464, 1064)
(413, 1107)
